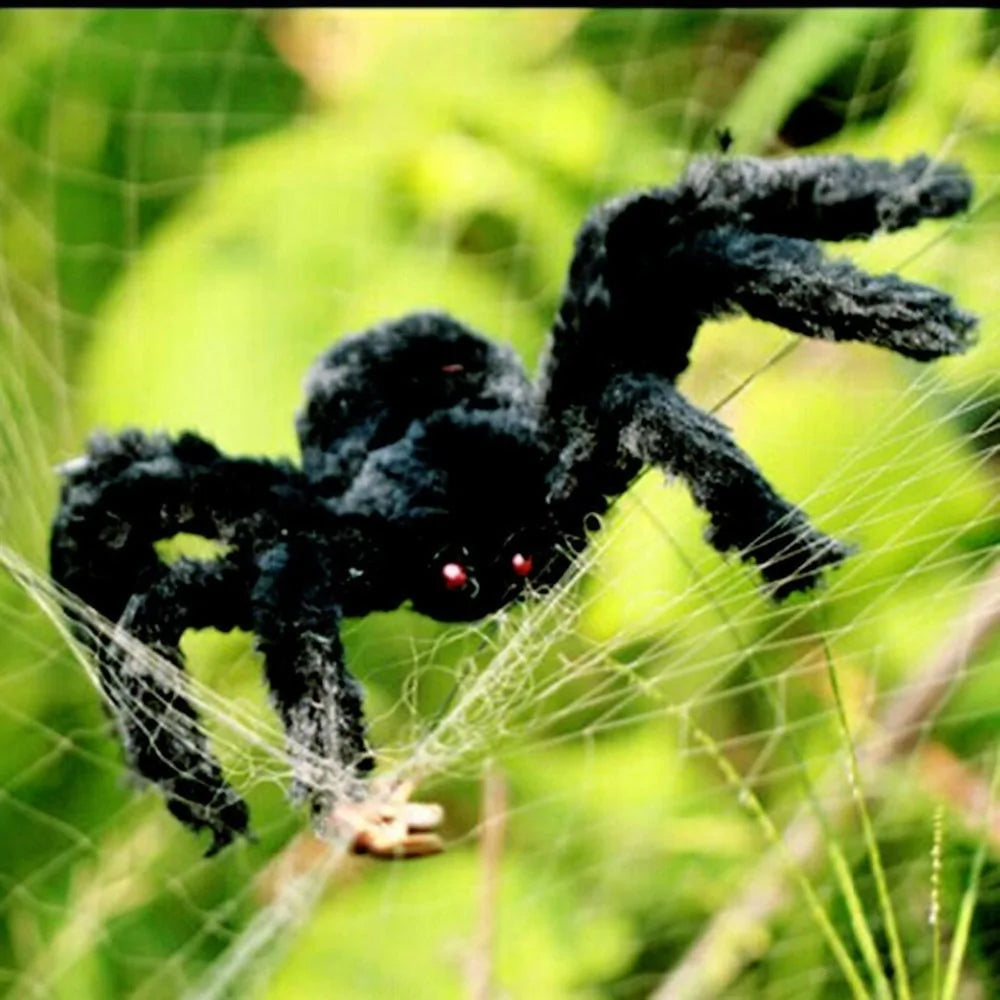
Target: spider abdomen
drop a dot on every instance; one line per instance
(366, 391)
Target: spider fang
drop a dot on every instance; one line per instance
(455, 577)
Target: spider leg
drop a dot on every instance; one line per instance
(159, 725)
(673, 257)
(658, 426)
(823, 197)
(132, 489)
(729, 236)
(297, 625)
(790, 283)
(126, 493)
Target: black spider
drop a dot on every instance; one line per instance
(435, 471)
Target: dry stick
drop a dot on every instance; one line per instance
(738, 934)
(480, 966)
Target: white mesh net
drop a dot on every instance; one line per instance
(194, 204)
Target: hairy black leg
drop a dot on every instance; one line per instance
(298, 630)
(658, 426)
(124, 494)
(132, 489)
(647, 268)
(789, 282)
(161, 733)
(823, 197)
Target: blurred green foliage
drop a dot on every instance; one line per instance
(194, 203)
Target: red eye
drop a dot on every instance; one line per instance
(521, 564)
(455, 577)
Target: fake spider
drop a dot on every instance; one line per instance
(435, 472)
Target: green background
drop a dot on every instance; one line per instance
(194, 204)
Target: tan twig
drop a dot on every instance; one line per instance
(494, 821)
(738, 934)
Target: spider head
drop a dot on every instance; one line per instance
(481, 533)
(465, 494)
(466, 574)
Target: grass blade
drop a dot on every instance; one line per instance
(961, 940)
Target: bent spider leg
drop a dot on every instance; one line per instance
(297, 624)
(127, 492)
(824, 197)
(723, 238)
(161, 733)
(649, 268)
(659, 426)
(131, 490)
(789, 282)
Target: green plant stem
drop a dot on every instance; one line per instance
(859, 921)
(935, 914)
(961, 940)
(753, 804)
(838, 863)
(871, 843)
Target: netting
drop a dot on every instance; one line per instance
(656, 781)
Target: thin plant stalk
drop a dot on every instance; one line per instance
(935, 910)
(819, 915)
(961, 940)
(838, 863)
(871, 844)
(859, 921)
(894, 731)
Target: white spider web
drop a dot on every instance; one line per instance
(185, 223)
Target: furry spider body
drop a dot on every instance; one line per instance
(434, 471)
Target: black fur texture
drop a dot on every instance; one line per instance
(434, 471)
